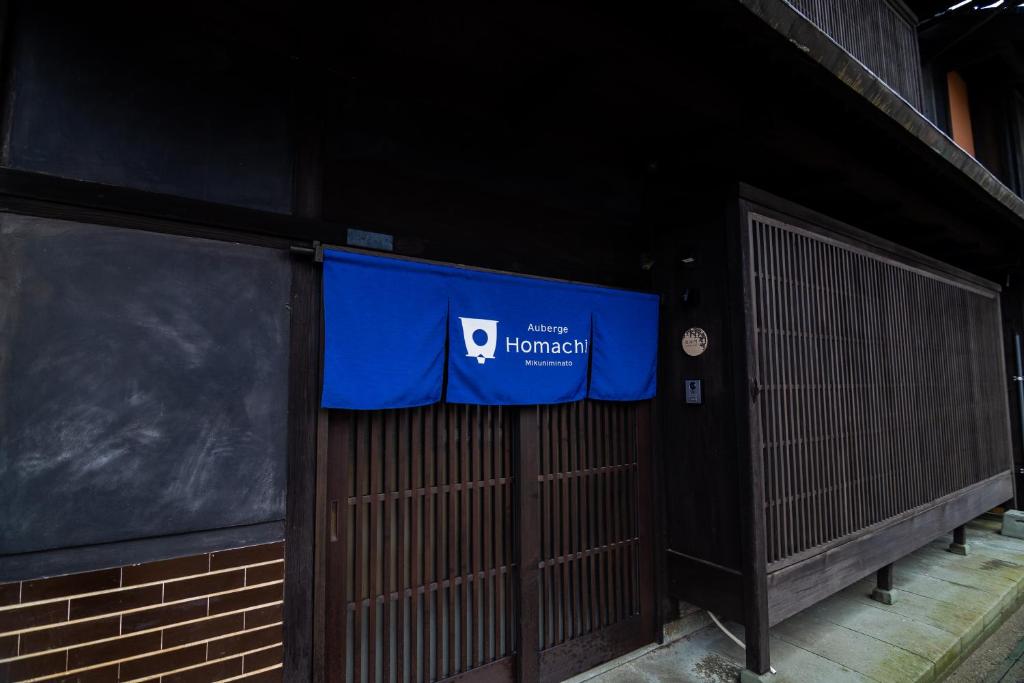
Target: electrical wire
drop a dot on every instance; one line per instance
(732, 637)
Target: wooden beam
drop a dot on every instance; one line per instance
(37, 194)
(34, 565)
(6, 30)
(304, 547)
(782, 209)
(748, 431)
(801, 585)
(304, 370)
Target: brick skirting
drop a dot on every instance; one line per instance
(211, 617)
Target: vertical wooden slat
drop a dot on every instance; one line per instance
(582, 542)
(452, 539)
(782, 501)
(488, 531)
(851, 377)
(465, 526)
(841, 445)
(513, 599)
(810, 365)
(829, 499)
(527, 542)
(431, 606)
(388, 438)
(338, 565)
(502, 551)
(416, 554)
(438, 537)
(555, 522)
(361, 538)
(402, 557)
(907, 379)
(616, 450)
(597, 506)
(586, 539)
(771, 383)
(376, 435)
(545, 529)
(625, 472)
(476, 512)
(574, 520)
(568, 522)
(626, 482)
(608, 510)
(799, 405)
(865, 400)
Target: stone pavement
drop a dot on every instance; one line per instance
(1012, 670)
(946, 605)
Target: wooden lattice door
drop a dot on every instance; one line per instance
(428, 523)
(420, 561)
(594, 566)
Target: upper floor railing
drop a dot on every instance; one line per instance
(879, 33)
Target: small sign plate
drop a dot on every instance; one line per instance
(695, 341)
(694, 391)
(369, 240)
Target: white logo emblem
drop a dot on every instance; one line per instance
(486, 331)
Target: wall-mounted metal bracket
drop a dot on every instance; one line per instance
(316, 252)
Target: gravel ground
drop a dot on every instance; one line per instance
(991, 655)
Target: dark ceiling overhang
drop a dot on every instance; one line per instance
(922, 135)
(822, 49)
(587, 108)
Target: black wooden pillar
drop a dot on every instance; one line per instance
(748, 422)
(884, 577)
(5, 40)
(1012, 301)
(959, 544)
(302, 660)
(527, 470)
(304, 369)
(883, 591)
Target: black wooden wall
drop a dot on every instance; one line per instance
(127, 96)
(552, 142)
(144, 375)
(702, 467)
(144, 384)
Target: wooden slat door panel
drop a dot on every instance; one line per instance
(425, 532)
(596, 585)
(421, 563)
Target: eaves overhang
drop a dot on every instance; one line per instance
(807, 38)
